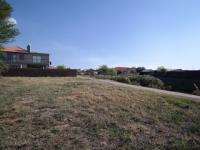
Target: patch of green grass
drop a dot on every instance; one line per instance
(118, 133)
(55, 130)
(193, 128)
(59, 116)
(181, 103)
(182, 145)
(60, 146)
(176, 116)
(72, 84)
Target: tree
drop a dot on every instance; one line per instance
(104, 70)
(61, 67)
(8, 32)
(140, 69)
(132, 71)
(162, 69)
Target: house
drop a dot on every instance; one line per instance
(121, 70)
(90, 72)
(17, 57)
(147, 72)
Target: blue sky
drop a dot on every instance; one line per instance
(90, 33)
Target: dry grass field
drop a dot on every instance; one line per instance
(80, 113)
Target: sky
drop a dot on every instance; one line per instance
(90, 33)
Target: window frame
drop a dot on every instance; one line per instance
(14, 58)
(37, 59)
(21, 57)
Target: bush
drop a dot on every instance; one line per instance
(3, 67)
(121, 79)
(162, 69)
(140, 69)
(104, 70)
(148, 81)
(143, 80)
(135, 80)
(61, 67)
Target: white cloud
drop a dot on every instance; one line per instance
(12, 20)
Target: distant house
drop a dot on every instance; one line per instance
(121, 70)
(90, 72)
(147, 72)
(17, 57)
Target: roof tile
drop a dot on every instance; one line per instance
(16, 49)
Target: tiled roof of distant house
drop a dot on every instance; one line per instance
(121, 69)
(16, 49)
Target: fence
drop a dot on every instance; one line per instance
(29, 72)
(181, 81)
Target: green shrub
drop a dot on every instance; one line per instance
(121, 79)
(148, 81)
(61, 67)
(3, 67)
(104, 70)
(135, 80)
(162, 69)
(143, 80)
(140, 69)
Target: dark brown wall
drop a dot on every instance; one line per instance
(27, 72)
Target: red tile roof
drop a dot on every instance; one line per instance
(121, 69)
(14, 49)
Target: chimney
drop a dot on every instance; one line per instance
(29, 48)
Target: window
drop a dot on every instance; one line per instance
(14, 58)
(37, 59)
(21, 57)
